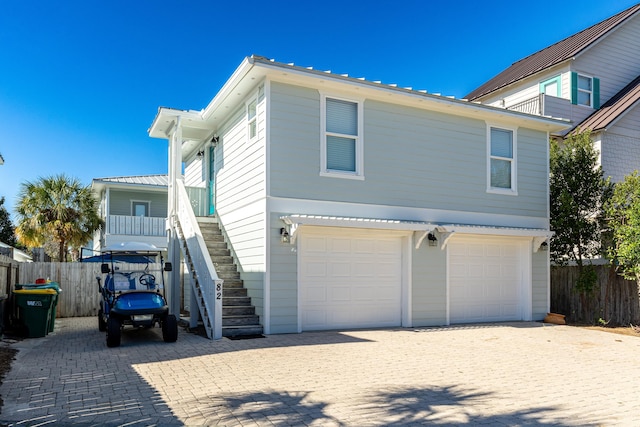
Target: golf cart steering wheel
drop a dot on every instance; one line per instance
(147, 280)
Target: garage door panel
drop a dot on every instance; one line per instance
(485, 282)
(339, 245)
(361, 278)
(339, 269)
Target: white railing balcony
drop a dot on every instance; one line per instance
(533, 105)
(136, 225)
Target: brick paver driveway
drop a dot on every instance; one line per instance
(504, 374)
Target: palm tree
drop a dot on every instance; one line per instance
(56, 209)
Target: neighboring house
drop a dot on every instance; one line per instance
(347, 203)
(591, 78)
(134, 209)
(14, 253)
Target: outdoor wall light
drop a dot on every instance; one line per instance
(200, 154)
(284, 235)
(433, 241)
(544, 246)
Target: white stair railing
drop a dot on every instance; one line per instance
(202, 273)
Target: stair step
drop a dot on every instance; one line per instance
(244, 320)
(222, 260)
(219, 252)
(229, 275)
(234, 292)
(235, 301)
(225, 268)
(233, 283)
(243, 310)
(236, 331)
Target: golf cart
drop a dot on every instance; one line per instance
(133, 297)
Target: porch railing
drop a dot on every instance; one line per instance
(204, 279)
(136, 225)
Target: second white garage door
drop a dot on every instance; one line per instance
(487, 277)
(349, 278)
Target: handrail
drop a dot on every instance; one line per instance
(210, 283)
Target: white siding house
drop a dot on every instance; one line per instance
(349, 204)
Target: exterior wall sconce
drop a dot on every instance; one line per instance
(544, 246)
(433, 241)
(200, 154)
(284, 236)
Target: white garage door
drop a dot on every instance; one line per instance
(486, 279)
(349, 279)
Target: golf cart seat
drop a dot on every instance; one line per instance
(119, 282)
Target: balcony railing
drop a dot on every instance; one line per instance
(136, 225)
(533, 105)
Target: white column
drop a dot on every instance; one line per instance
(173, 247)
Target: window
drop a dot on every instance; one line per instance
(139, 208)
(502, 160)
(585, 90)
(551, 87)
(342, 140)
(251, 118)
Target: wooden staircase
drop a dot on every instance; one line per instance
(238, 314)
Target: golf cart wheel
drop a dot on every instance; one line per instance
(170, 329)
(102, 325)
(113, 332)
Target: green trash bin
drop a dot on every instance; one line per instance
(34, 310)
(42, 284)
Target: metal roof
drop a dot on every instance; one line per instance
(555, 54)
(155, 180)
(612, 109)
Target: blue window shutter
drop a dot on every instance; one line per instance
(596, 93)
(574, 88)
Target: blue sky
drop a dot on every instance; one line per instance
(81, 81)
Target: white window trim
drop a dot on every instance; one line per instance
(359, 173)
(146, 202)
(513, 191)
(590, 92)
(253, 98)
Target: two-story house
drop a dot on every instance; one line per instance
(591, 78)
(134, 209)
(347, 203)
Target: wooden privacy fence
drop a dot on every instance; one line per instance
(79, 296)
(9, 270)
(614, 299)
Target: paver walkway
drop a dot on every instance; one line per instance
(506, 374)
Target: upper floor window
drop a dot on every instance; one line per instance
(252, 108)
(501, 175)
(139, 208)
(342, 138)
(585, 90)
